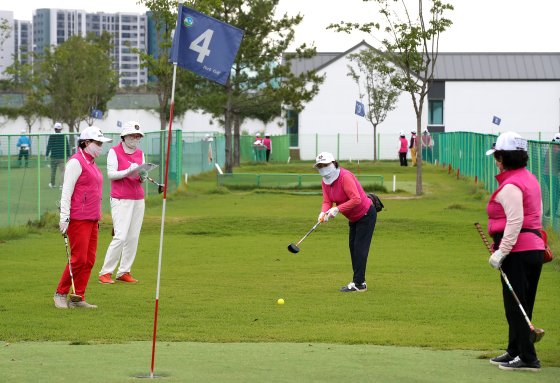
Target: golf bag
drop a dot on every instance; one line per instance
(376, 202)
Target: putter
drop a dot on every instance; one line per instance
(160, 186)
(536, 333)
(294, 247)
(73, 296)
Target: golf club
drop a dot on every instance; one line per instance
(536, 333)
(160, 186)
(294, 247)
(73, 296)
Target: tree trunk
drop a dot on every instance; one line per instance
(419, 190)
(236, 139)
(375, 142)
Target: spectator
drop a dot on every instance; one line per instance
(267, 142)
(427, 145)
(24, 145)
(412, 147)
(551, 174)
(403, 149)
(58, 149)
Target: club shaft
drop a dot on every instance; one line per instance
(309, 232)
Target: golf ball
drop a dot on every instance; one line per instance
(280, 301)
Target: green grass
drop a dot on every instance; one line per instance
(225, 264)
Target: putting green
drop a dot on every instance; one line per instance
(251, 362)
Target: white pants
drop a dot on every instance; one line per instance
(128, 215)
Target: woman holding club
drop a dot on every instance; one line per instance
(80, 212)
(342, 188)
(514, 217)
(127, 204)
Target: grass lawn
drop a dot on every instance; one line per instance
(225, 264)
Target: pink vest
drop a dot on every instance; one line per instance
(127, 187)
(531, 189)
(404, 145)
(337, 195)
(266, 142)
(85, 204)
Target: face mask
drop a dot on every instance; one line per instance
(131, 142)
(327, 170)
(93, 149)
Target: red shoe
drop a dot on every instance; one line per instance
(106, 279)
(126, 277)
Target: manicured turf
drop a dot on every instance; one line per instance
(225, 264)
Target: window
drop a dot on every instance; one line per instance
(435, 112)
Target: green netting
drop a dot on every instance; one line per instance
(287, 181)
(464, 152)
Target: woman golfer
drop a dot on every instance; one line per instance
(80, 212)
(341, 188)
(514, 217)
(127, 204)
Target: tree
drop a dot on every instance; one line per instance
(77, 77)
(381, 95)
(413, 45)
(259, 85)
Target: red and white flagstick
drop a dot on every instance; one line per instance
(163, 216)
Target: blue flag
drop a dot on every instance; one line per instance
(360, 110)
(204, 45)
(496, 120)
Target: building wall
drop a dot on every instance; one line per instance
(7, 48)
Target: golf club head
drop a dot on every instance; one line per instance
(536, 335)
(292, 247)
(75, 297)
(160, 188)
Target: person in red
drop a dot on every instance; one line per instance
(342, 188)
(403, 149)
(514, 217)
(80, 212)
(267, 142)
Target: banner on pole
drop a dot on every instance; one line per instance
(360, 110)
(496, 120)
(204, 45)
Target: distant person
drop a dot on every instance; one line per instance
(24, 146)
(412, 147)
(127, 204)
(427, 145)
(80, 212)
(208, 138)
(514, 219)
(551, 177)
(342, 188)
(267, 142)
(58, 149)
(403, 149)
(258, 147)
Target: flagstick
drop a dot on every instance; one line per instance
(163, 216)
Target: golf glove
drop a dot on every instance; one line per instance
(331, 213)
(132, 168)
(496, 259)
(143, 175)
(321, 217)
(63, 225)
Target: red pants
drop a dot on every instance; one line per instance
(82, 236)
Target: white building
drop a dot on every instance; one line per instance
(6, 42)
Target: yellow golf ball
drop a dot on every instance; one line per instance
(280, 301)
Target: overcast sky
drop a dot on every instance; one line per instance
(478, 25)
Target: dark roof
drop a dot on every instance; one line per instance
(466, 66)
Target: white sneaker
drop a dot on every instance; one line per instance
(51, 185)
(60, 301)
(81, 304)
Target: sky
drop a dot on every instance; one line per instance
(478, 25)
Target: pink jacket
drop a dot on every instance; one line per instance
(85, 204)
(268, 143)
(127, 187)
(348, 195)
(497, 219)
(404, 145)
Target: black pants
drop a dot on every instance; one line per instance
(359, 241)
(267, 154)
(25, 155)
(523, 270)
(402, 159)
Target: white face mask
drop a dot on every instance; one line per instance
(94, 150)
(327, 170)
(131, 142)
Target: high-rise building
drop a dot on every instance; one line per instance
(6, 41)
(23, 41)
(52, 27)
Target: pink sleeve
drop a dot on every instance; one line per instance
(327, 203)
(351, 191)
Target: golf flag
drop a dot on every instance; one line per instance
(496, 120)
(360, 110)
(204, 45)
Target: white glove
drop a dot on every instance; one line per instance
(63, 226)
(132, 168)
(321, 217)
(496, 259)
(331, 213)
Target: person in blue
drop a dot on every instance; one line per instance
(24, 145)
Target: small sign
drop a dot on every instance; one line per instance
(496, 120)
(96, 113)
(360, 110)
(119, 124)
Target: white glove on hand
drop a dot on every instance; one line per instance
(132, 168)
(496, 259)
(63, 226)
(321, 217)
(331, 213)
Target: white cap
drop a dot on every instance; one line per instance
(508, 141)
(131, 127)
(57, 125)
(267, 134)
(401, 133)
(93, 133)
(23, 131)
(258, 134)
(557, 137)
(324, 158)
